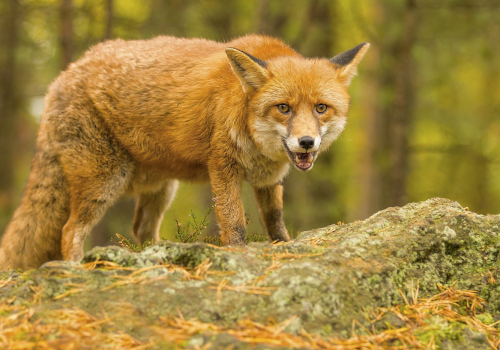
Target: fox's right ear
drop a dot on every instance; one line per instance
(251, 71)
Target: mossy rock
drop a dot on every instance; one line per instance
(327, 278)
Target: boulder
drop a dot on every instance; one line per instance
(421, 274)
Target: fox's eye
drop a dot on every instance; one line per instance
(321, 108)
(283, 108)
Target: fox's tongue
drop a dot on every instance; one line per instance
(303, 160)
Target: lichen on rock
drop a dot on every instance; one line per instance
(322, 282)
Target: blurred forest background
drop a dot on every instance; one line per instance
(425, 116)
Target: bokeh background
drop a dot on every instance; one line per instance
(425, 115)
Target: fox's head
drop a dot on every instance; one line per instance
(297, 106)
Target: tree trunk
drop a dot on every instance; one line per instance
(316, 38)
(67, 48)
(369, 190)
(401, 114)
(268, 23)
(109, 20)
(8, 103)
(386, 153)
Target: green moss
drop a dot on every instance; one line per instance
(486, 318)
(439, 329)
(22, 335)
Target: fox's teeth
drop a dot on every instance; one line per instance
(297, 159)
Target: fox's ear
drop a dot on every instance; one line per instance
(251, 71)
(347, 62)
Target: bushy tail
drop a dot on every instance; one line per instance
(34, 234)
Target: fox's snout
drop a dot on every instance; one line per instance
(302, 151)
(302, 144)
(306, 142)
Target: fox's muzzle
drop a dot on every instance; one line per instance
(306, 142)
(302, 151)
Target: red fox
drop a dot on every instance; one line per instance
(135, 117)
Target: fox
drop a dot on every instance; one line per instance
(136, 117)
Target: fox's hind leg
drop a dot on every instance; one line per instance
(149, 210)
(98, 171)
(270, 204)
(91, 191)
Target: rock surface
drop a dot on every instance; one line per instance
(322, 283)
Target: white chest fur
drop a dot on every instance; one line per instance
(259, 169)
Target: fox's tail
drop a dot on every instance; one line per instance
(34, 234)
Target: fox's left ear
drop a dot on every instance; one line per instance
(251, 71)
(347, 62)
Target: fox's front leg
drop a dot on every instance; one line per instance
(226, 186)
(270, 204)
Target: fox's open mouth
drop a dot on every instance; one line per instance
(302, 160)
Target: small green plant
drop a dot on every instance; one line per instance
(257, 237)
(251, 237)
(214, 240)
(125, 243)
(185, 235)
(194, 228)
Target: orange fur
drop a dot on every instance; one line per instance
(137, 116)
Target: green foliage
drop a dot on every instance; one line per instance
(194, 227)
(126, 243)
(251, 237)
(214, 240)
(257, 237)
(190, 233)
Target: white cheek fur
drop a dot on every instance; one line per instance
(269, 136)
(241, 141)
(293, 144)
(331, 131)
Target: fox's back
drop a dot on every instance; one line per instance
(172, 61)
(157, 96)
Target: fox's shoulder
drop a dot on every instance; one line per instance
(153, 47)
(263, 47)
(169, 53)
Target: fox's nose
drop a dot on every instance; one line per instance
(306, 142)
